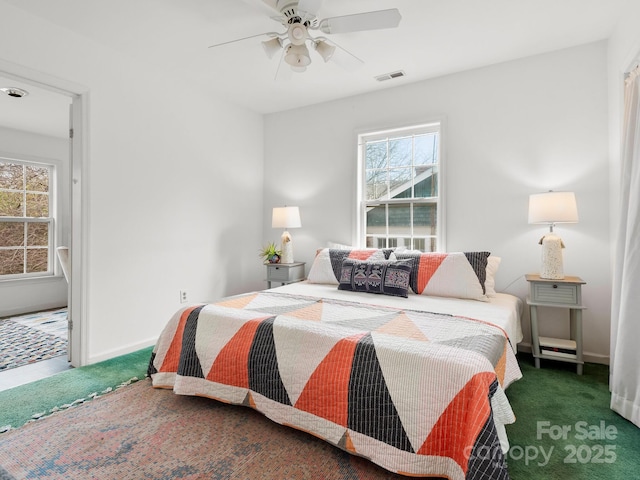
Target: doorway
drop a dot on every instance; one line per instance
(74, 236)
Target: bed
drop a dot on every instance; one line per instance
(414, 383)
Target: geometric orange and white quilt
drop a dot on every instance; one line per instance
(414, 392)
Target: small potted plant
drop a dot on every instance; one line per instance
(270, 253)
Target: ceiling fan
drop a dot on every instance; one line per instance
(299, 17)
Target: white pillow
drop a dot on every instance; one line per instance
(493, 263)
(328, 262)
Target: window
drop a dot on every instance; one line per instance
(400, 188)
(26, 219)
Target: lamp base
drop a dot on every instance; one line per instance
(287, 248)
(551, 268)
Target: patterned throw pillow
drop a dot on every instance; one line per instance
(382, 277)
(458, 274)
(328, 262)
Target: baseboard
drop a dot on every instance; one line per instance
(587, 356)
(122, 350)
(26, 310)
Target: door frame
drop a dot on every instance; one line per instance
(78, 158)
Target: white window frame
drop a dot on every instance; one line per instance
(50, 220)
(434, 126)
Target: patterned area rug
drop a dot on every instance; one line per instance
(140, 432)
(31, 338)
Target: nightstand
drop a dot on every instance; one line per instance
(565, 293)
(284, 273)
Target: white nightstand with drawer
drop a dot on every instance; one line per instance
(565, 293)
(284, 272)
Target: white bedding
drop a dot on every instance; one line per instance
(503, 310)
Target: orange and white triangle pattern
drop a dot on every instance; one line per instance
(412, 391)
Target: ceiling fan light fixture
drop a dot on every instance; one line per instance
(271, 47)
(297, 33)
(299, 69)
(297, 56)
(325, 50)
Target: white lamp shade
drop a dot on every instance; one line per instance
(553, 207)
(325, 50)
(297, 55)
(286, 217)
(271, 47)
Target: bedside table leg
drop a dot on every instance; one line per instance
(535, 341)
(575, 320)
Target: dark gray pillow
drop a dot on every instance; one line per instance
(384, 277)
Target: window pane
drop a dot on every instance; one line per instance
(37, 205)
(426, 149)
(401, 242)
(37, 179)
(426, 181)
(400, 180)
(37, 260)
(38, 235)
(377, 184)
(376, 155)
(370, 242)
(11, 261)
(11, 176)
(11, 234)
(425, 220)
(400, 152)
(376, 221)
(400, 219)
(11, 204)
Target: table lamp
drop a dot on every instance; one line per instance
(551, 208)
(286, 217)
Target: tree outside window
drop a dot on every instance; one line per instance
(25, 218)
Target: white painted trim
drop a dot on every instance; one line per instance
(358, 207)
(79, 209)
(129, 348)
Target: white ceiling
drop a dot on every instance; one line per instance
(435, 37)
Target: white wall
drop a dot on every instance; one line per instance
(174, 182)
(510, 130)
(29, 295)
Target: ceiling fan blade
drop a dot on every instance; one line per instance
(345, 59)
(270, 34)
(309, 7)
(283, 72)
(361, 21)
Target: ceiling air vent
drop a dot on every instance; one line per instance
(389, 76)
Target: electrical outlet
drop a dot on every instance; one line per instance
(183, 296)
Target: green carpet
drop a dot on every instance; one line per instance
(553, 402)
(20, 403)
(564, 427)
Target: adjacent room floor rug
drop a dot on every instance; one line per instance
(31, 338)
(140, 432)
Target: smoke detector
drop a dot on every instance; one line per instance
(14, 92)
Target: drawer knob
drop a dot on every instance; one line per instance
(555, 286)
